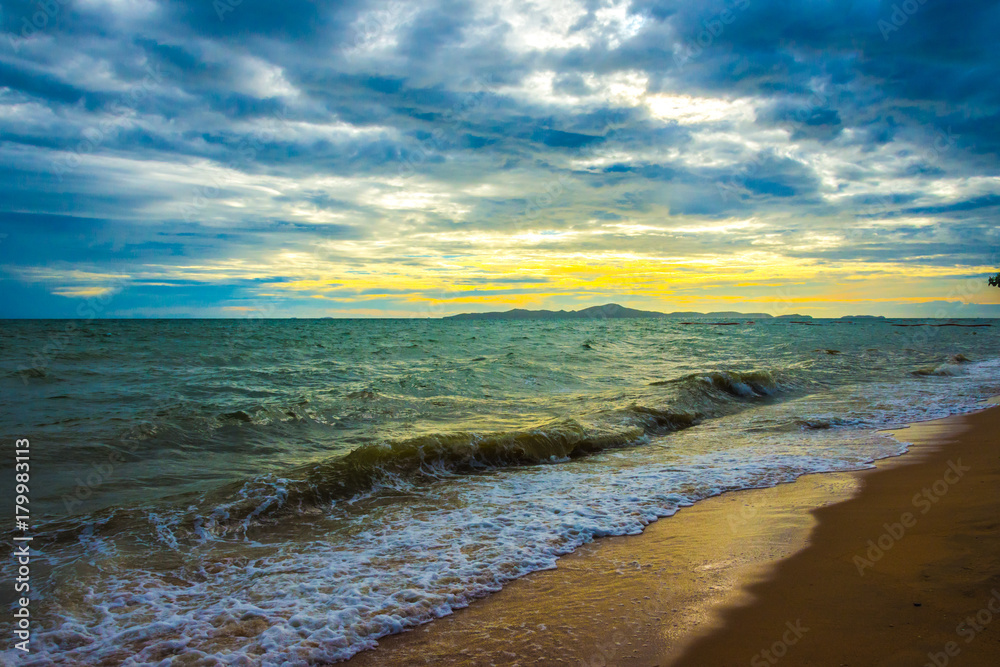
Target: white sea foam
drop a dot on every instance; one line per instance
(326, 600)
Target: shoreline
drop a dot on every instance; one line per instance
(701, 587)
(906, 572)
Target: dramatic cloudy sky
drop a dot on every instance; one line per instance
(235, 157)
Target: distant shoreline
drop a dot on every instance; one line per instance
(615, 311)
(514, 315)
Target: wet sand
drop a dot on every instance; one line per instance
(768, 570)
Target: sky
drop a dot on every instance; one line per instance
(244, 158)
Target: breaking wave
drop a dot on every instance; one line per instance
(266, 499)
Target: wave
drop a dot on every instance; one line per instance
(394, 464)
(263, 415)
(950, 368)
(391, 463)
(398, 464)
(655, 421)
(739, 384)
(944, 370)
(185, 421)
(240, 506)
(34, 372)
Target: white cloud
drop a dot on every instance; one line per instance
(686, 109)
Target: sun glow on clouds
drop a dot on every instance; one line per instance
(82, 292)
(487, 279)
(719, 228)
(629, 89)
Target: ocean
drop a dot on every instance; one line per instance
(269, 492)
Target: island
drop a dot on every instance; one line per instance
(607, 311)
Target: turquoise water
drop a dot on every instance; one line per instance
(271, 491)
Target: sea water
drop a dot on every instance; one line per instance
(268, 492)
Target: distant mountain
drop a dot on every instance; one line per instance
(607, 311)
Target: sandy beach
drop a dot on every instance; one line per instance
(907, 572)
(896, 565)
